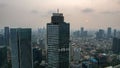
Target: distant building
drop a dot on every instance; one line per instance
(3, 57)
(41, 38)
(41, 32)
(100, 34)
(58, 42)
(37, 55)
(6, 36)
(116, 45)
(77, 54)
(42, 43)
(76, 34)
(21, 48)
(115, 33)
(1, 40)
(82, 31)
(118, 34)
(109, 32)
(85, 34)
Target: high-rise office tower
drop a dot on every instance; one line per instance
(115, 33)
(116, 45)
(58, 42)
(109, 32)
(85, 33)
(100, 34)
(6, 36)
(21, 47)
(76, 34)
(3, 57)
(82, 31)
(1, 40)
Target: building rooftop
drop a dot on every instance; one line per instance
(57, 14)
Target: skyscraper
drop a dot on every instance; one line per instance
(82, 31)
(37, 56)
(100, 34)
(3, 57)
(21, 48)
(58, 42)
(6, 36)
(116, 45)
(115, 33)
(109, 32)
(1, 40)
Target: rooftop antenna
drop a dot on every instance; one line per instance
(57, 10)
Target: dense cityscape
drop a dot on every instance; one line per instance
(56, 46)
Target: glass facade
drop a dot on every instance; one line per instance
(3, 57)
(58, 42)
(21, 48)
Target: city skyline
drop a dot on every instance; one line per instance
(55, 46)
(90, 14)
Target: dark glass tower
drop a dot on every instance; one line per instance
(115, 33)
(21, 52)
(100, 34)
(6, 36)
(1, 40)
(3, 57)
(116, 45)
(109, 32)
(58, 42)
(82, 31)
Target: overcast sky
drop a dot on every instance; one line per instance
(91, 14)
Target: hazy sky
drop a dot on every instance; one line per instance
(90, 14)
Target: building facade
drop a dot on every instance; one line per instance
(116, 45)
(100, 34)
(6, 36)
(3, 57)
(58, 42)
(21, 48)
(1, 40)
(109, 32)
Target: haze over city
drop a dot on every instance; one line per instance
(59, 33)
(90, 14)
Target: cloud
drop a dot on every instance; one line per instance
(87, 10)
(111, 12)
